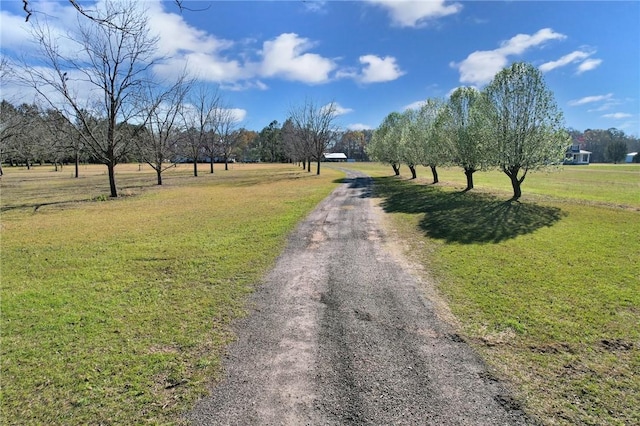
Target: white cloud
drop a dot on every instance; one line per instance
(177, 36)
(358, 126)
(588, 65)
(582, 56)
(416, 13)
(377, 69)
(315, 6)
(591, 99)
(414, 105)
(238, 114)
(481, 66)
(284, 57)
(338, 109)
(572, 57)
(618, 115)
(13, 31)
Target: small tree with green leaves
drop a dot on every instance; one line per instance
(525, 126)
(616, 151)
(428, 129)
(384, 146)
(463, 125)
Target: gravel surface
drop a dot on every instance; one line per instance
(341, 332)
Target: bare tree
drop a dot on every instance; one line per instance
(316, 126)
(293, 144)
(111, 65)
(89, 14)
(158, 142)
(226, 134)
(200, 121)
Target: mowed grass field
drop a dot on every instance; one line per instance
(546, 289)
(117, 311)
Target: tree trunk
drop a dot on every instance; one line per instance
(515, 183)
(304, 164)
(318, 168)
(211, 165)
(396, 169)
(469, 174)
(309, 165)
(434, 172)
(159, 173)
(195, 168)
(77, 165)
(413, 172)
(112, 180)
(226, 164)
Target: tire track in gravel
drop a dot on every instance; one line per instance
(340, 332)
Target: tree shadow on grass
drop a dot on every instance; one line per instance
(362, 184)
(463, 217)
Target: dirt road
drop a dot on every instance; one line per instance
(341, 333)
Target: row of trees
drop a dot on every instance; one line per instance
(30, 133)
(103, 102)
(274, 142)
(178, 127)
(102, 98)
(513, 125)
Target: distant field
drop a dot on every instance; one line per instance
(547, 290)
(117, 311)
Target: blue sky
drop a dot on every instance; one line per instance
(375, 57)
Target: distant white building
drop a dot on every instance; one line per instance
(575, 155)
(629, 158)
(335, 156)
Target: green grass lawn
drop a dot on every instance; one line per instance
(117, 311)
(547, 289)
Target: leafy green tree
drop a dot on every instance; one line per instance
(429, 130)
(384, 146)
(525, 126)
(410, 142)
(463, 126)
(271, 143)
(616, 151)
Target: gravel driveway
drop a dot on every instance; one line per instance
(341, 332)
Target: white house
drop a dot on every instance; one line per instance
(575, 155)
(336, 156)
(629, 158)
